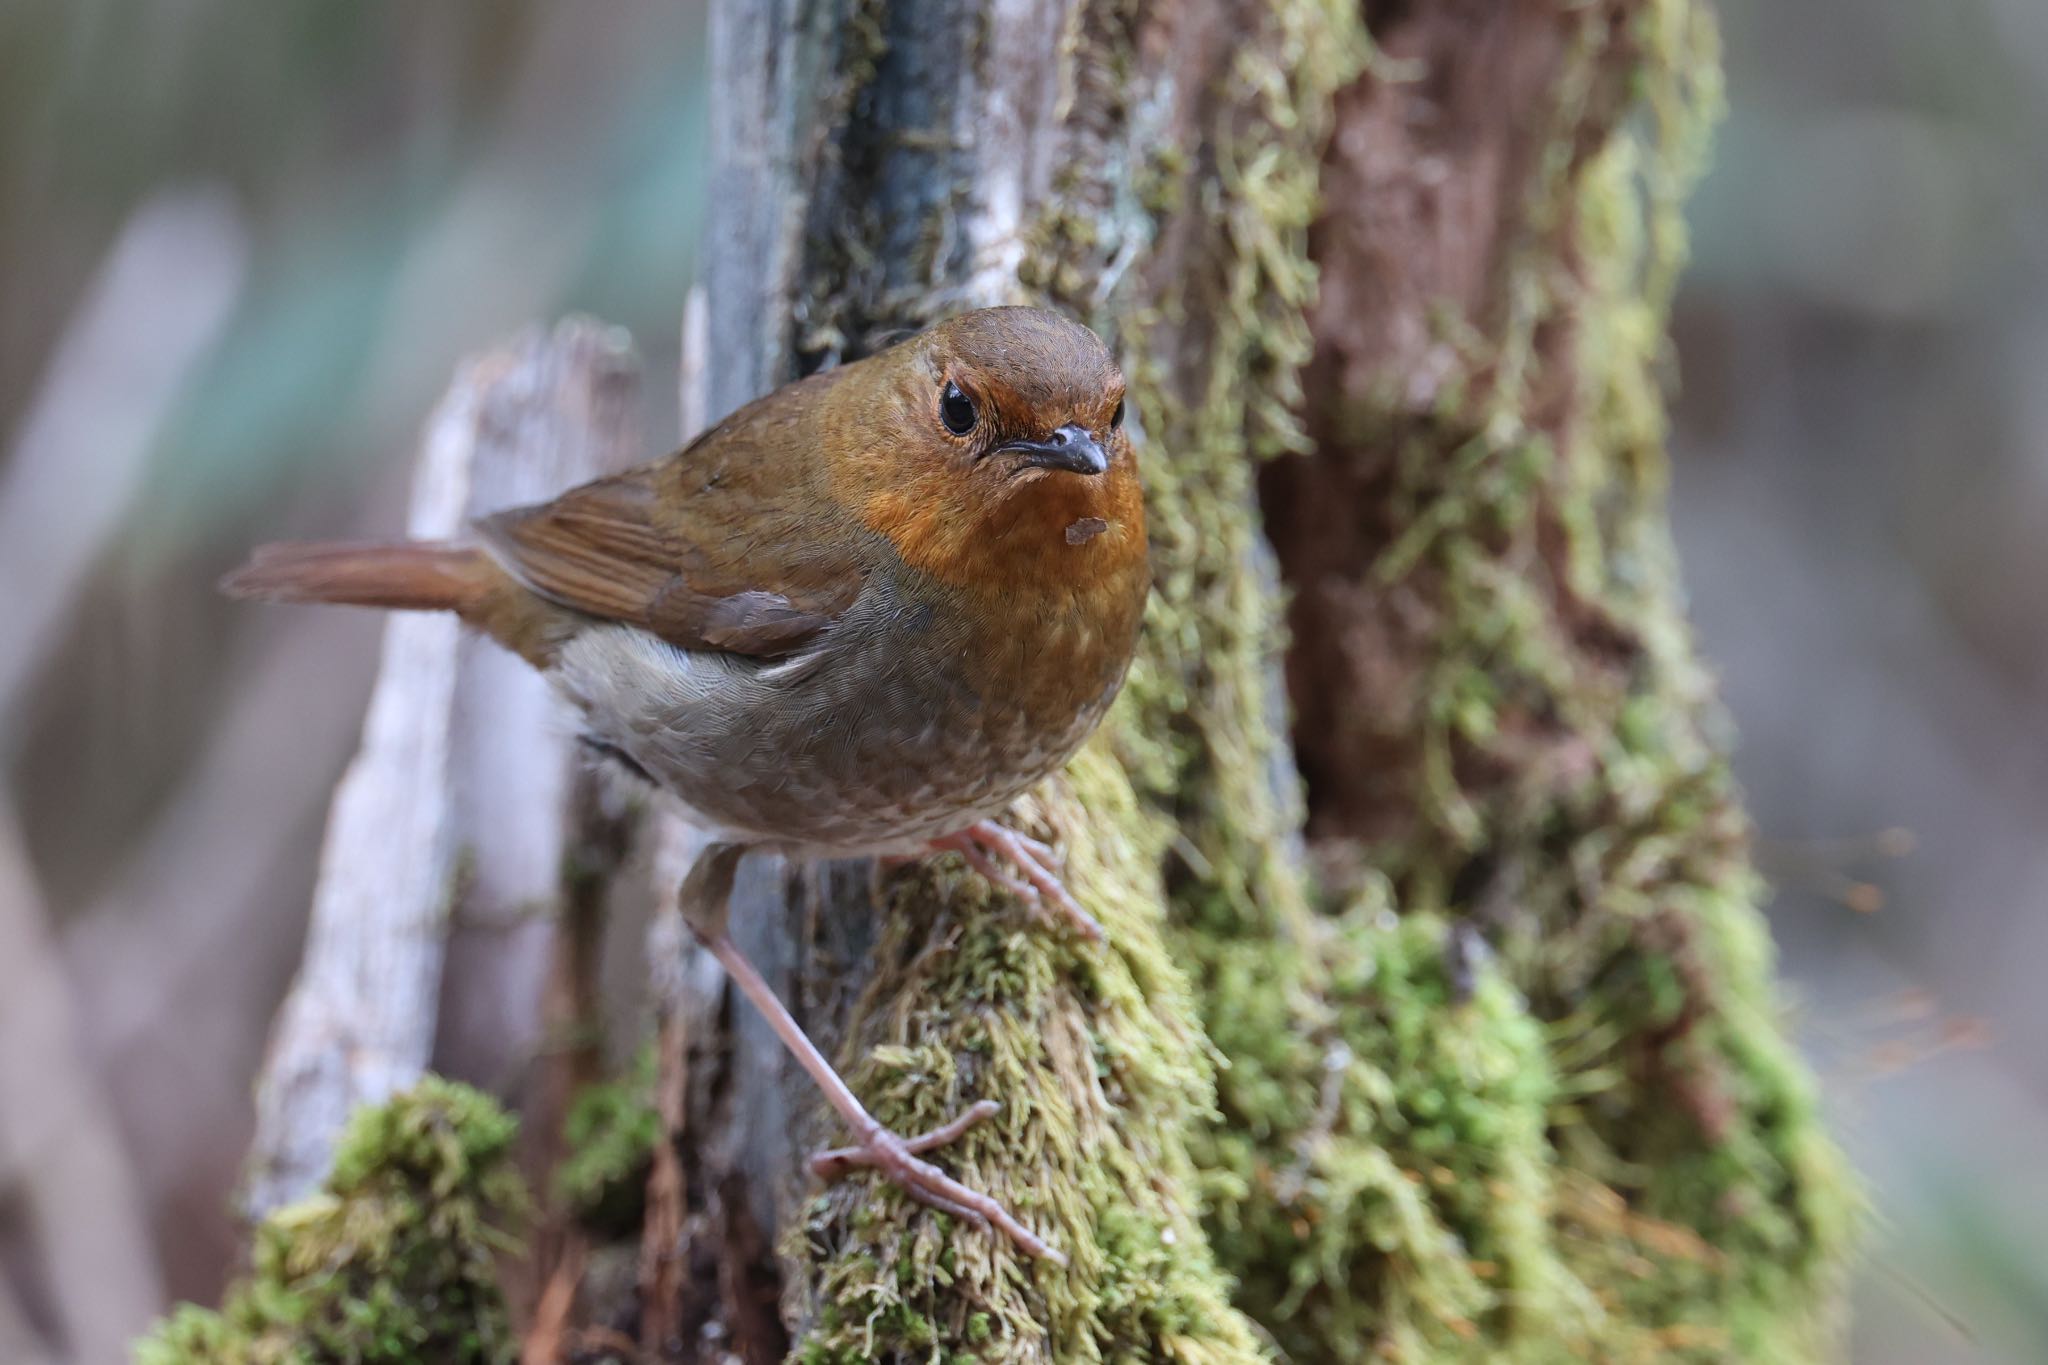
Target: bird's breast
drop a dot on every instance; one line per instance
(913, 715)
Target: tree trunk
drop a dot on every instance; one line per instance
(1591, 1139)
(890, 165)
(1506, 735)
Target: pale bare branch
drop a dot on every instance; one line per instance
(465, 767)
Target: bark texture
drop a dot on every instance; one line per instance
(1503, 725)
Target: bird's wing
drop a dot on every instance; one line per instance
(727, 545)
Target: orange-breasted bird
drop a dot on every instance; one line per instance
(858, 617)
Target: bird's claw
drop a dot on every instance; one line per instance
(900, 1161)
(982, 842)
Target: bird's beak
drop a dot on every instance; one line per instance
(1073, 447)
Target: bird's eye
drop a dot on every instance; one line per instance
(1116, 419)
(956, 410)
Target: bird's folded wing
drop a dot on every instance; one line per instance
(702, 555)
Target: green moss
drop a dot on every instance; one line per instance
(1198, 726)
(1096, 1057)
(610, 1132)
(394, 1261)
(1639, 935)
(1405, 1204)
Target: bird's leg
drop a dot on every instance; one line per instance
(705, 894)
(983, 842)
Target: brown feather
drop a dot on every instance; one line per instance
(764, 531)
(728, 544)
(408, 576)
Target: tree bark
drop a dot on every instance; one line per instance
(1505, 731)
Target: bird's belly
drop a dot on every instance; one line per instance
(811, 755)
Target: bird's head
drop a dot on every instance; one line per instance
(992, 451)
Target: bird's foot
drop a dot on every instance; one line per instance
(1037, 878)
(900, 1160)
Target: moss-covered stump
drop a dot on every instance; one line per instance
(395, 1261)
(1513, 1083)
(1514, 780)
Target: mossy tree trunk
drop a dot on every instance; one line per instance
(1155, 175)
(1505, 732)
(1511, 1081)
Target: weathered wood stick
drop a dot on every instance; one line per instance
(459, 799)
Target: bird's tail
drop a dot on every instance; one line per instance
(403, 576)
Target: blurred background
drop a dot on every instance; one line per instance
(243, 246)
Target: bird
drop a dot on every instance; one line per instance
(856, 618)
